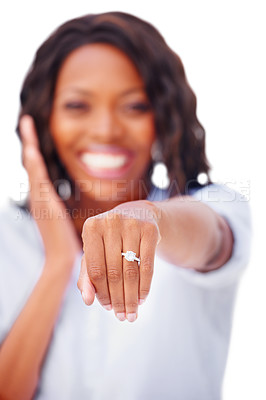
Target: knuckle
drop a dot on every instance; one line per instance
(112, 219)
(26, 161)
(132, 305)
(147, 260)
(132, 223)
(96, 273)
(118, 306)
(147, 267)
(144, 293)
(131, 274)
(114, 275)
(89, 225)
(104, 300)
(150, 229)
(109, 223)
(23, 158)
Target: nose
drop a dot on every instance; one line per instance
(105, 125)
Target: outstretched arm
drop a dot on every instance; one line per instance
(192, 234)
(182, 230)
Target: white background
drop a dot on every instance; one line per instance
(222, 45)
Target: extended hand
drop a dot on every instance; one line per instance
(120, 284)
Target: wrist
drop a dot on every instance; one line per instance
(59, 265)
(157, 214)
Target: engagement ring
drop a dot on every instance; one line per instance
(131, 256)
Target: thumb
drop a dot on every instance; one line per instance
(32, 158)
(41, 188)
(27, 131)
(84, 284)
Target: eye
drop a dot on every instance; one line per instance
(76, 106)
(138, 107)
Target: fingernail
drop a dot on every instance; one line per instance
(84, 297)
(121, 316)
(141, 301)
(131, 317)
(108, 307)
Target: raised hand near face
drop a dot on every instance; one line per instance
(60, 240)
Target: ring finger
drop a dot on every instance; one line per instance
(131, 278)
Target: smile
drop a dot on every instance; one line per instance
(103, 161)
(107, 163)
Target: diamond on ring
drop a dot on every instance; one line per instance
(131, 256)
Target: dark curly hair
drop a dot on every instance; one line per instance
(178, 130)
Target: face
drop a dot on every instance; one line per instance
(102, 123)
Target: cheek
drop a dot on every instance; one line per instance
(145, 132)
(63, 133)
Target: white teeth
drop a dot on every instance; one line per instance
(93, 160)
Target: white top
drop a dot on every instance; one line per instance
(176, 349)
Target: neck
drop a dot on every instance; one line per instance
(83, 207)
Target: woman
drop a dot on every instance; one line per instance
(103, 101)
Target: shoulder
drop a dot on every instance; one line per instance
(11, 214)
(215, 191)
(19, 235)
(227, 202)
(17, 222)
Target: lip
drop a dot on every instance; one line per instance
(101, 148)
(106, 173)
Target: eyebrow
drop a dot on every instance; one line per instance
(133, 90)
(90, 93)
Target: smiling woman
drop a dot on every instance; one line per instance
(103, 102)
(102, 124)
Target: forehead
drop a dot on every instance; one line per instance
(98, 63)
